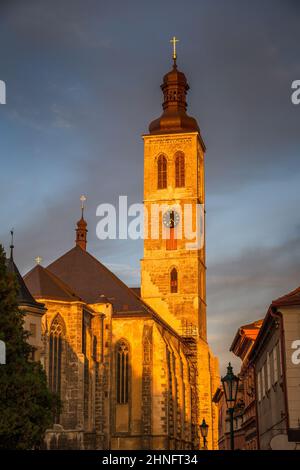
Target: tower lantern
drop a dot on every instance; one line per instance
(174, 117)
(81, 230)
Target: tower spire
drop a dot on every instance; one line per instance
(12, 245)
(174, 118)
(81, 230)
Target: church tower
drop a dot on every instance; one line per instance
(173, 267)
(81, 229)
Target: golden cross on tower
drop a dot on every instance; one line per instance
(38, 260)
(173, 41)
(82, 199)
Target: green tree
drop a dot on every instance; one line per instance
(27, 407)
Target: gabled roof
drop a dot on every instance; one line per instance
(293, 298)
(244, 338)
(45, 285)
(24, 297)
(95, 283)
(92, 280)
(272, 315)
(77, 275)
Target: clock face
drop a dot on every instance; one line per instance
(171, 218)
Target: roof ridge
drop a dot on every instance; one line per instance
(64, 254)
(53, 278)
(144, 307)
(87, 253)
(254, 324)
(108, 271)
(24, 295)
(63, 285)
(288, 296)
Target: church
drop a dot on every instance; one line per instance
(133, 366)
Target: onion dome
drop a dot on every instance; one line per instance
(174, 117)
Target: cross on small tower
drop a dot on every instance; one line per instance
(173, 41)
(38, 260)
(82, 199)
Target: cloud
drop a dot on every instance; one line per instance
(241, 288)
(62, 117)
(82, 86)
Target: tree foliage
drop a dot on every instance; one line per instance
(27, 407)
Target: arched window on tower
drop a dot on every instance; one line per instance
(174, 281)
(161, 172)
(122, 372)
(57, 333)
(179, 170)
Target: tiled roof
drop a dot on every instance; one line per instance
(24, 296)
(244, 338)
(136, 290)
(78, 275)
(45, 285)
(92, 280)
(251, 329)
(293, 298)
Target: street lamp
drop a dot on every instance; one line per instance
(204, 430)
(230, 385)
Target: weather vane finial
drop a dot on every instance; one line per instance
(12, 244)
(38, 260)
(82, 199)
(174, 40)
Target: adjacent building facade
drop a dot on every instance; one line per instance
(267, 412)
(276, 361)
(224, 420)
(242, 346)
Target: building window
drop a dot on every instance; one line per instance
(32, 330)
(95, 343)
(263, 382)
(122, 352)
(57, 333)
(268, 372)
(161, 172)
(174, 281)
(280, 358)
(275, 364)
(259, 385)
(83, 333)
(179, 170)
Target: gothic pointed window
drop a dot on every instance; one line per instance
(179, 170)
(122, 372)
(57, 333)
(161, 172)
(174, 281)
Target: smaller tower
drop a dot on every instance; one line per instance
(81, 230)
(32, 310)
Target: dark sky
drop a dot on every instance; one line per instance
(83, 80)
